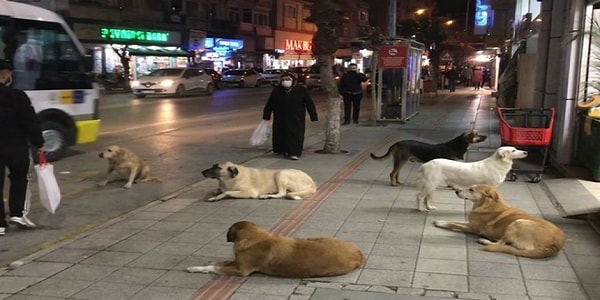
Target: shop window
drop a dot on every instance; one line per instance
(43, 55)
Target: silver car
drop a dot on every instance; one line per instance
(272, 76)
(241, 78)
(173, 81)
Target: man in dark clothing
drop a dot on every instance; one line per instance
(289, 103)
(351, 90)
(19, 126)
(452, 76)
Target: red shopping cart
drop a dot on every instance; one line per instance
(527, 127)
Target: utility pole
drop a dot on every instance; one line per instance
(392, 8)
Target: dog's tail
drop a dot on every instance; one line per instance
(531, 253)
(385, 156)
(151, 179)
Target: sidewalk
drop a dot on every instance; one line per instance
(143, 254)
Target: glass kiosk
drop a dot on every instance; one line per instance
(398, 80)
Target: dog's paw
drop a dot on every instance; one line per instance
(441, 223)
(200, 269)
(213, 199)
(127, 186)
(485, 241)
(431, 207)
(102, 183)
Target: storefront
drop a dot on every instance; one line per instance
(292, 50)
(147, 49)
(222, 52)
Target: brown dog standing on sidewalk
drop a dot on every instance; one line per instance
(406, 150)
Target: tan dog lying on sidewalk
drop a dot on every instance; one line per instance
(514, 231)
(458, 175)
(124, 164)
(256, 250)
(237, 181)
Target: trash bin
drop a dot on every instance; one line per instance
(588, 145)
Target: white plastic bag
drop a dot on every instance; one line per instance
(260, 134)
(47, 185)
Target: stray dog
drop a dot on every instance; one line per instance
(456, 174)
(256, 250)
(412, 150)
(505, 228)
(124, 164)
(237, 181)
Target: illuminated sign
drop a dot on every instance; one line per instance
(223, 44)
(299, 45)
(483, 16)
(133, 35)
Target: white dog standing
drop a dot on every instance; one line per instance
(456, 174)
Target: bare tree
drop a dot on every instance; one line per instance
(325, 43)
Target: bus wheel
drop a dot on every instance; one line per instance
(54, 137)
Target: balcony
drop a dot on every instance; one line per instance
(112, 14)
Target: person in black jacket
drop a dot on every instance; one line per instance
(19, 126)
(289, 103)
(351, 90)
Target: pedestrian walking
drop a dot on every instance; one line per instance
(288, 103)
(467, 75)
(452, 76)
(351, 90)
(19, 127)
(477, 78)
(487, 78)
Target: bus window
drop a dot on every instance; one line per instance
(44, 56)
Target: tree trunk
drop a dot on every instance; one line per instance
(332, 129)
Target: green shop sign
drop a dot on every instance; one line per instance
(133, 35)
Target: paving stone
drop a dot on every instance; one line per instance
(356, 287)
(438, 252)
(180, 278)
(156, 261)
(111, 258)
(108, 290)
(183, 249)
(134, 275)
(86, 272)
(497, 286)
(133, 246)
(551, 273)
(385, 277)
(381, 289)
(56, 287)
(264, 285)
(162, 293)
(391, 263)
(66, 255)
(38, 269)
(434, 281)
(494, 269)
(171, 226)
(444, 266)
(567, 290)
(395, 250)
(249, 296)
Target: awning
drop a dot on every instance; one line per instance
(158, 52)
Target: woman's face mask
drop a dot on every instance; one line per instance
(286, 83)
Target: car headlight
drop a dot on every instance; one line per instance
(135, 83)
(166, 83)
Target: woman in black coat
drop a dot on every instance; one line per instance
(289, 103)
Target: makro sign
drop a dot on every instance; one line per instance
(121, 34)
(298, 45)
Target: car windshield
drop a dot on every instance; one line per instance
(273, 72)
(166, 72)
(236, 72)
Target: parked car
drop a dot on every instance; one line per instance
(272, 76)
(217, 79)
(313, 77)
(301, 73)
(242, 77)
(173, 81)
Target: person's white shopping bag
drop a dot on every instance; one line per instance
(261, 133)
(47, 185)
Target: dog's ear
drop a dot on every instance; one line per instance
(491, 193)
(232, 234)
(233, 171)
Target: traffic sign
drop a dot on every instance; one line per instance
(393, 57)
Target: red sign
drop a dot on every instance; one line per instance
(298, 45)
(393, 57)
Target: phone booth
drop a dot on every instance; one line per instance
(398, 80)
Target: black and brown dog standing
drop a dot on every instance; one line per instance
(406, 150)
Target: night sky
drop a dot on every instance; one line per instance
(454, 9)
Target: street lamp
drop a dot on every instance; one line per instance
(420, 11)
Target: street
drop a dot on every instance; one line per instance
(178, 138)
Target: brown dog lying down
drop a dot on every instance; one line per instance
(124, 164)
(515, 231)
(257, 250)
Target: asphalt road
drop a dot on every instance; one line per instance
(178, 137)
